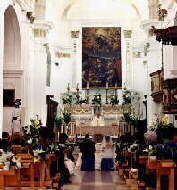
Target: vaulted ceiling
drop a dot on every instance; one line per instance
(109, 9)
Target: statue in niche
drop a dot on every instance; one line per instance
(16, 117)
(49, 60)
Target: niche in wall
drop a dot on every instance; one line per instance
(8, 97)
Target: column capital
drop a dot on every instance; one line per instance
(41, 28)
(75, 33)
(127, 33)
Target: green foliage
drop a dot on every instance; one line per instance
(58, 122)
(31, 132)
(126, 97)
(68, 99)
(114, 100)
(97, 100)
(74, 98)
(66, 117)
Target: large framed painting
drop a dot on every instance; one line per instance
(101, 57)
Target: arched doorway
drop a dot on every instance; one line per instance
(11, 65)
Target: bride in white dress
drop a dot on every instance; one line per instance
(107, 163)
(99, 151)
(104, 155)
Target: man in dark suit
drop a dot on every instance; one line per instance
(87, 148)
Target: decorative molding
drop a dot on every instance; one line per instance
(75, 34)
(62, 55)
(26, 5)
(137, 54)
(157, 86)
(41, 28)
(127, 33)
(147, 24)
(39, 33)
(13, 73)
(170, 96)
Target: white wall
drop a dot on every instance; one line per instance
(65, 16)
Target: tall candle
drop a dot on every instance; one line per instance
(77, 88)
(68, 87)
(88, 85)
(107, 85)
(115, 85)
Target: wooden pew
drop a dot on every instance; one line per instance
(163, 167)
(7, 174)
(27, 170)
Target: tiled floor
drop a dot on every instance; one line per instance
(96, 181)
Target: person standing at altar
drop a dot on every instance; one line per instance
(87, 148)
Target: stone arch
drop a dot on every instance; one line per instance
(11, 62)
(12, 40)
(69, 6)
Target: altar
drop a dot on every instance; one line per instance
(114, 130)
(109, 122)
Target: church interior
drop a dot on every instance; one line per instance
(88, 94)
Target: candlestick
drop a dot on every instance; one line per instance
(68, 88)
(77, 88)
(116, 89)
(88, 85)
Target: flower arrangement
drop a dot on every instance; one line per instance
(133, 148)
(8, 161)
(150, 136)
(126, 97)
(73, 98)
(79, 100)
(130, 117)
(97, 100)
(152, 151)
(31, 132)
(39, 154)
(160, 122)
(114, 100)
(67, 99)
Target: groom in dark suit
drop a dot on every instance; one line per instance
(87, 148)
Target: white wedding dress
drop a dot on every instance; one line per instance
(98, 155)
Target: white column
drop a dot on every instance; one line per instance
(39, 70)
(1, 69)
(75, 41)
(154, 61)
(170, 66)
(129, 64)
(39, 81)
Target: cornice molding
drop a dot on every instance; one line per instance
(13, 73)
(41, 28)
(26, 5)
